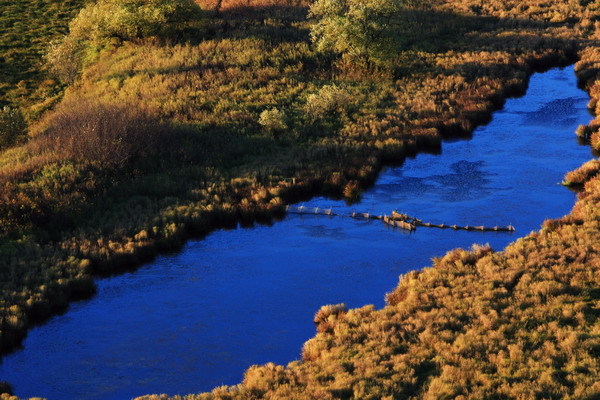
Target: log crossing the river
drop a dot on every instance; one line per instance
(396, 220)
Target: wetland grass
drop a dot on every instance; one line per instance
(189, 154)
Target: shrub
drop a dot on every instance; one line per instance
(110, 135)
(330, 309)
(12, 127)
(352, 191)
(579, 176)
(273, 120)
(329, 99)
(325, 317)
(584, 131)
(64, 58)
(595, 140)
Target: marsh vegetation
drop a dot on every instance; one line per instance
(180, 118)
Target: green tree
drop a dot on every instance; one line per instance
(363, 29)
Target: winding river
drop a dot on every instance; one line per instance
(197, 319)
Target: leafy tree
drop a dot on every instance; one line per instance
(363, 29)
(64, 58)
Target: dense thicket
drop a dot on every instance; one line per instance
(161, 139)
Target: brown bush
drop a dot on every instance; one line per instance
(325, 317)
(113, 136)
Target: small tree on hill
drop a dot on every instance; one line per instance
(273, 120)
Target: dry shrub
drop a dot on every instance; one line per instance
(331, 309)
(352, 191)
(462, 256)
(325, 317)
(584, 131)
(111, 135)
(260, 379)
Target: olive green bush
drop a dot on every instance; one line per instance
(132, 19)
(12, 127)
(273, 120)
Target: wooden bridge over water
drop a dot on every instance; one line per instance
(396, 220)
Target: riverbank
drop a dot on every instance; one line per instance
(62, 232)
(520, 323)
(270, 280)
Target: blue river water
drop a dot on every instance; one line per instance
(191, 321)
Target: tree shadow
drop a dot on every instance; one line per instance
(272, 23)
(436, 31)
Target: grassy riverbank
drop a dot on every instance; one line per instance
(518, 324)
(196, 150)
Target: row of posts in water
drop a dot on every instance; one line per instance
(396, 220)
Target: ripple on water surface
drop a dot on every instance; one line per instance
(191, 321)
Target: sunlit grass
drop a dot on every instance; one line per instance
(158, 140)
